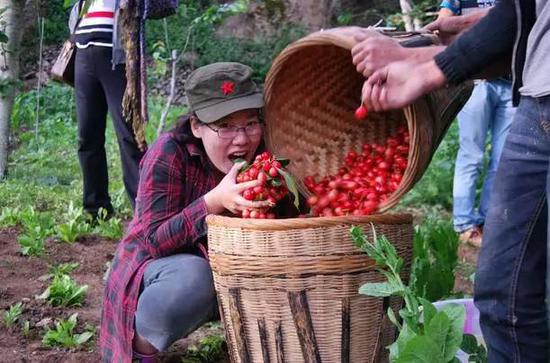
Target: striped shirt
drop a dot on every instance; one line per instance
(465, 7)
(96, 26)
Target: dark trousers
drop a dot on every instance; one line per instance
(511, 277)
(100, 88)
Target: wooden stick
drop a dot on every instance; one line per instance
(263, 339)
(304, 326)
(235, 312)
(226, 331)
(346, 331)
(279, 343)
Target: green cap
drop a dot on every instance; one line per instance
(219, 89)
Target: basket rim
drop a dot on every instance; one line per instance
(304, 223)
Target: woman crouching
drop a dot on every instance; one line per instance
(160, 287)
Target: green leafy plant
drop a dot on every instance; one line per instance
(111, 228)
(425, 334)
(436, 185)
(208, 350)
(26, 328)
(64, 291)
(345, 18)
(32, 241)
(75, 225)
(12, 314)
(9, 217)
(62, 269)
(64, 336)
(435, 259)
(476, 352)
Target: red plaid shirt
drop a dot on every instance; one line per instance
(169, 218)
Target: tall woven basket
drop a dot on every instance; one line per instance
(312, 91)
(288, 289)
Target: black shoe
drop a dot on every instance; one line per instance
(100, 215)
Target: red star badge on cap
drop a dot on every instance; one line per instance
(228, 87)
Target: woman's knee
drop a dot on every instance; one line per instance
(187, 290)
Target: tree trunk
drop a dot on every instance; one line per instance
(9, 70)
(313, 14)
(406, 7)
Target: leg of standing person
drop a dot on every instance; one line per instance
(114, 84)
(91, 111)
(499, 127)
(510, 281)
(473, 123)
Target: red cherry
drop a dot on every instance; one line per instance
(273, 172)
(253, 172)
(248, 194)
(262, 177)
(312, 200)
(361, 112)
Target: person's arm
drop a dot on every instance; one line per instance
(74, 17)
(444, 13)
(168, 223)
(485, 44)
(448, 28)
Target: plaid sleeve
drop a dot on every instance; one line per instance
(453, 5)
(168, 223)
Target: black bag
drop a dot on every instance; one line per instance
(158, 9)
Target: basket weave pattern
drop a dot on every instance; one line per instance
(312, 91)
(259, 266)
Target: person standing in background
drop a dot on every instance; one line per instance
(100, 82)
(488, 111)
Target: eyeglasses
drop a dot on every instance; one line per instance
(229, 132)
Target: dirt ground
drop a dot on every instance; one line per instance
(21, 281)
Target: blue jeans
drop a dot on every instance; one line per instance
(510, 286)
(488, 111)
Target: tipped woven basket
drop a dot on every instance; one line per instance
(288, 289)
(312, 91)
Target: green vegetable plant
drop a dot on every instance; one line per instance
(111, 228)
(12, 314)
(75, 225)
(425, 334)
(435, 259)
(64, 291)
(208, 349)
(64, 335)
(32, 241)
(62, 269)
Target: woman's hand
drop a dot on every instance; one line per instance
(228, 195)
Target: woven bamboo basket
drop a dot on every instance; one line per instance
(312, 91)
(288, 289)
